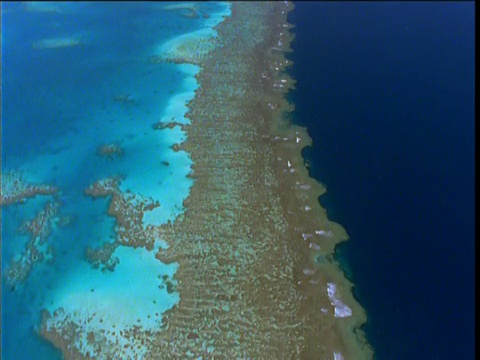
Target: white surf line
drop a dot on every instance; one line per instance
(341, 310)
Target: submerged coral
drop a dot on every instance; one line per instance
(110, 151)
(128, 210)
(15, 189)
(57, 43)
(37, 248)
(191, 9)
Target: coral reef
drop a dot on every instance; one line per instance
(124, 99)
(247, 242)
(40, 6)
(128, 210)
(110, 151)
(191, 9)
(15, 189)
(57, 43)
(36, 249)
(160, 125)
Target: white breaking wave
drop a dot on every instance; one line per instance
(341, 310)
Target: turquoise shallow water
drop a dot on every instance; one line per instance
(58, 107)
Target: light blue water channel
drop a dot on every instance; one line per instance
(58, 108)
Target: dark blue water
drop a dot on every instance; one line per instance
(386, 91)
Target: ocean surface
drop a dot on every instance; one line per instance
(386, 90)
(66, 67)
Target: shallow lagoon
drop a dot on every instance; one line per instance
(63, 101)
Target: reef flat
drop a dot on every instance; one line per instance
(254, 248)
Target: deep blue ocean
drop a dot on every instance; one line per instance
(386, 90)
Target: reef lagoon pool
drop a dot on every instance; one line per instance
(90, 95)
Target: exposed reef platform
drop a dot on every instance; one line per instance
(254, 247)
